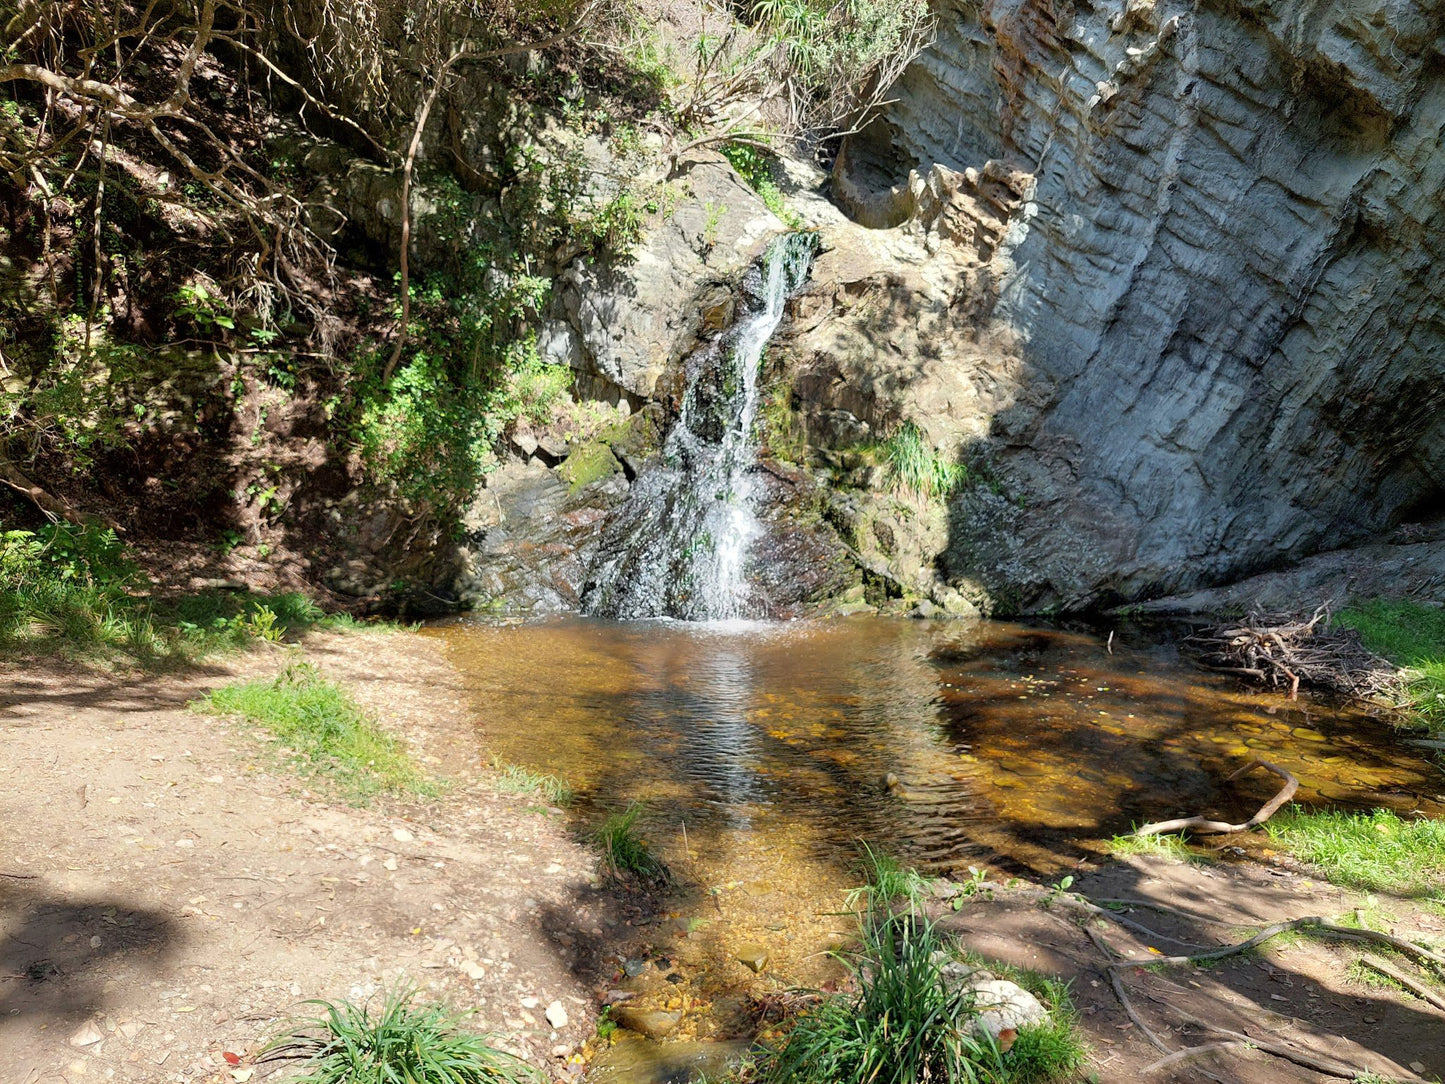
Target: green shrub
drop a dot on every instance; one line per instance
(514, 779)
(1376, 851)
(327, 732)
(624, 851)
(399, 1042)
(906, 1024)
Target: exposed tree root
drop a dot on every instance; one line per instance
(1164, 909)
(1204, 824)
(53, 507)
(1420, 990)
(1309, 1060)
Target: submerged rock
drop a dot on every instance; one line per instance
(752, 956)
(653, 1023)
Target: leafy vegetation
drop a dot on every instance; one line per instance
(323, 732)
(761, 171)
(888, 880)
(74, 591)
(624, 852)
(401, 1039)
(1411, 635)
(1377, 851)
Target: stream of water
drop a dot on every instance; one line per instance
(680, 545)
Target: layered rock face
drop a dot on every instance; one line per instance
(1219, 279)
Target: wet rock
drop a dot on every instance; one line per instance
(653, 1023)
(1192, 193)
(752, 956)
(633, 968)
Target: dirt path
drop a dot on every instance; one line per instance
(1296, 992)
(166, 898)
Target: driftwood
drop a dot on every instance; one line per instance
(1204, 824)
(1285, 652)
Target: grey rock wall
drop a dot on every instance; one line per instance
(1224, 280)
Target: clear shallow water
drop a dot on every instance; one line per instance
(1018, 748)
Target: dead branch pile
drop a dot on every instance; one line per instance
(1285, 652)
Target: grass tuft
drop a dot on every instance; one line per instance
(624, 852)
(515, 779)
(888, 880)
(326, 732)
(397, 1040)
(1376, 851)
(916, 467)
(906, 1024)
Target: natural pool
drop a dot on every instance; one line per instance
(761, 751)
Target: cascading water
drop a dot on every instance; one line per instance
(679, 546)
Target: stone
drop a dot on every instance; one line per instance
(88, 1034)
(1003, 1007)
(752, 956)
(653, 1023)
(557, 1015)
(401, 835)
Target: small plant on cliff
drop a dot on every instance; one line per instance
(916, 467)
(398, 1040)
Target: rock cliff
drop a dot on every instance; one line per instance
(1215, 265)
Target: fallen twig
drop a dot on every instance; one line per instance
(1203, 824)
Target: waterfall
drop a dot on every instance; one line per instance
(679, 547)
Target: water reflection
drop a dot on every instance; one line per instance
(1014, 746)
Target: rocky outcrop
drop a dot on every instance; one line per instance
(1213, 273)
(624, 324)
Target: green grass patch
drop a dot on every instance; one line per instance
(396, 1040)
(323, 732)
(1411, 636)
(515, 779)
(906, 1024)
(73, 592)
(916, 467)
(1376, 851)
(624, 852)
(1165, 846)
